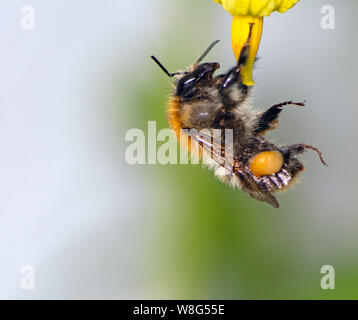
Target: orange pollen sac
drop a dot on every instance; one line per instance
(266, 163)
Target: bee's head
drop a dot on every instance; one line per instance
(188, 82)
(199, 74)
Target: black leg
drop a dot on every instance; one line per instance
(234, 74)
(233, 77)
(268, 119)
(230, 78)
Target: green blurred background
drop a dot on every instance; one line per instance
(95, 227)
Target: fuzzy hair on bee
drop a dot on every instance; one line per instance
(202, 101)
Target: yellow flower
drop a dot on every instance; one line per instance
(256, 8)
(248, 12)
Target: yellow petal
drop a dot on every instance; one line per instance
(285, 5)
(240, 33)
(256, 8)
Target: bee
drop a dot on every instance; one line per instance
(201, 100)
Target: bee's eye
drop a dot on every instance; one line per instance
(189, 81)
(185, 85)
(266, 163)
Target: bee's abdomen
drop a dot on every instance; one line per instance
(275, 182)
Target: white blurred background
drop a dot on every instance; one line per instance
(91, 225)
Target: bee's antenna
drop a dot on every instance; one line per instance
(308, 146)
(207, 51)
(170, 75)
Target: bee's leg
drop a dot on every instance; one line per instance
(233, 95)
(233, 76)
(268, 120)
(293, 151)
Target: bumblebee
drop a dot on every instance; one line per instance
(201, 100)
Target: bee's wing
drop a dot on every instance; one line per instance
(223, 154)
(264, 197)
